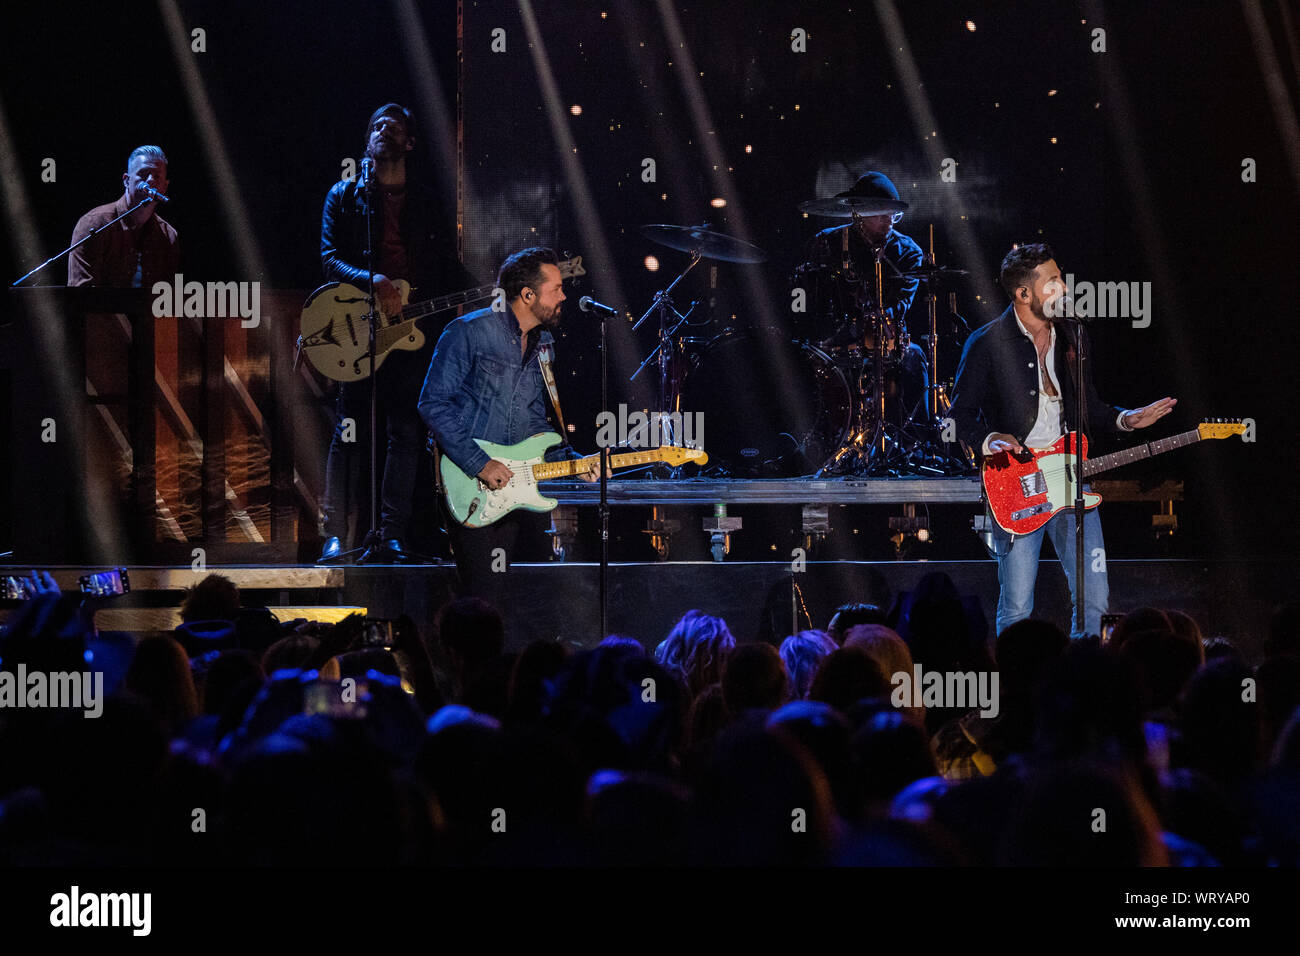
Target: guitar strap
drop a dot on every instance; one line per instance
(544, 358)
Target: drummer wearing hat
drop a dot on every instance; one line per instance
(875, 208)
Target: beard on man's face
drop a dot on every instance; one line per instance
(389, 146)
(547, 317)
(1037, 306)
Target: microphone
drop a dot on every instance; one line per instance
(153, 193)
(588, 304)
(367, 170)
(1063, 311)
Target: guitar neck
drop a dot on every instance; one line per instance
(1138, 452)
(418, 310)
(549, 470)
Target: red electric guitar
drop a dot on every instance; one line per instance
(1024, 490)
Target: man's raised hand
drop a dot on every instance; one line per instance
(1150, 414)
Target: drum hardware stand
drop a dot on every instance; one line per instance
(964, 455)
(934, 459)
(878, 353)
(864, 454)
(666, 352)
(700, 242)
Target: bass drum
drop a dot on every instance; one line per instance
(772, 407)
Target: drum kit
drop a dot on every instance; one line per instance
(841, 393)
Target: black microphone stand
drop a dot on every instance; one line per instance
(86, 238)
(1081, 415)
(604, 479)
(372, 546)
(373, 543)
(1080, 427)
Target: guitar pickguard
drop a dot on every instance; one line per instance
(1026, 490)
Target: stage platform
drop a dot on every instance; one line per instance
(769, 491)
(760, 600)
(815, 497)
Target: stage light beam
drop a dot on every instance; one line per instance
(924, 120)
(97, 509)
(589, 223)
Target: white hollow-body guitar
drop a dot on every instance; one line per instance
(335, 327)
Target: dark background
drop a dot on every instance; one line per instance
(1143, 184)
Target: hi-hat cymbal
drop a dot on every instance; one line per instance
(934, 273)
(844, 207)
(710, 245)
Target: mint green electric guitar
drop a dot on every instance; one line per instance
(474, 505)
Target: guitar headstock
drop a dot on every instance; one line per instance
(571, 268)
(678, 455)
(1220, 428)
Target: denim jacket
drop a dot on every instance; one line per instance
(478, 386)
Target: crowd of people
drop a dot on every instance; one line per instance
(239, 739)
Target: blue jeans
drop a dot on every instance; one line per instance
(1018, 570)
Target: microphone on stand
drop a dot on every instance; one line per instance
(1064, 309)
(367, 171)
(588, 304)
(153, 193)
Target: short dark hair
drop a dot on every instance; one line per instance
(215, 598)
(1020, 264)
(524, 268)
(753, 677)
(391, 109)
(848, 616)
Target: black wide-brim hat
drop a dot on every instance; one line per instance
(876, 186)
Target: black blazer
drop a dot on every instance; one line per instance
(997, 384)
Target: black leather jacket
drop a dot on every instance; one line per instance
(434, 268)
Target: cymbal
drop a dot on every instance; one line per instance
(843, 207)
(710, 245)
(934, 273)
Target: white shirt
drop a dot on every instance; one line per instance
(1047, 426)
